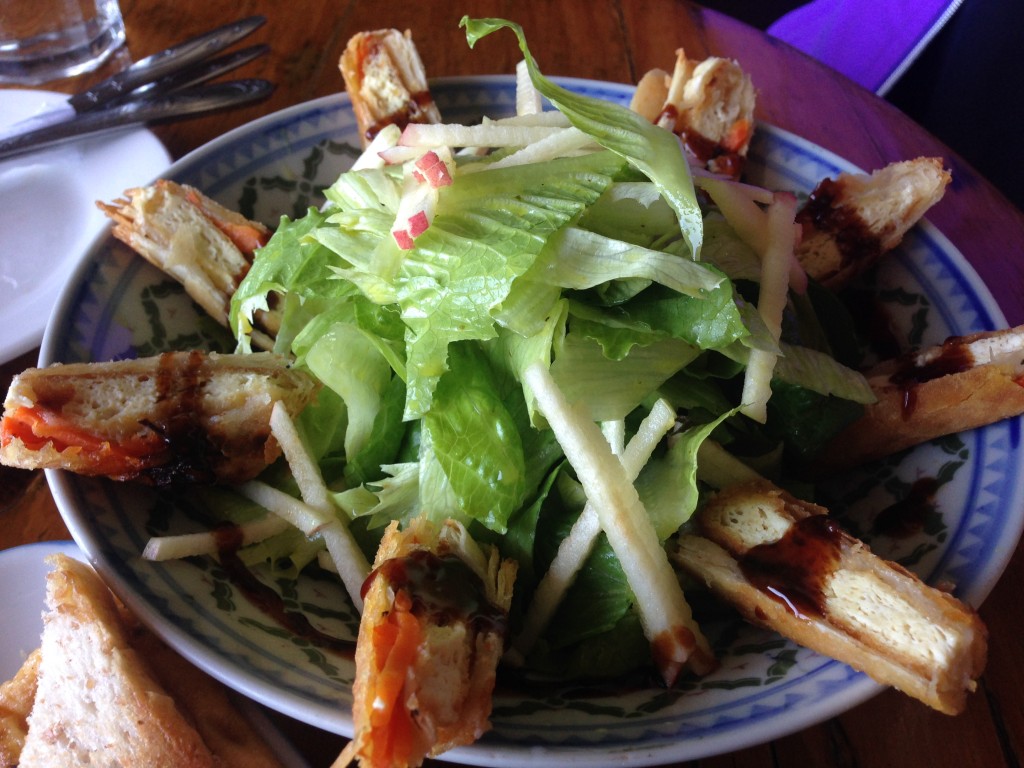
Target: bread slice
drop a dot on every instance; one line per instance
(430, 639)
(386, 81)
(851, 220)
(965, 382)
(96, 702)
(180, 416)
(785, 565)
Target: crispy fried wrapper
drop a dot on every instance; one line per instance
(432, 633)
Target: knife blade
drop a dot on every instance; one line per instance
(164, 64)
(188, 102)
(201, 72)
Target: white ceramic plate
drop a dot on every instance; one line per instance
(23, 573)
(49, 217)
(117, 306)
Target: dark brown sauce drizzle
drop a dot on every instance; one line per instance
(56, 396)
(668, 113)
(954, 357)
(188, 455)
(444, 590)
(854, 239)
(414, 111)
(795, 568)
(706, 150)
(712, 154)
(229, 540)
(907, 516)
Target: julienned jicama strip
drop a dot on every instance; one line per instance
(577, 546)
(348, 559)
(676, 640)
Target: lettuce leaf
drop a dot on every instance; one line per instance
(668, 485)
(653, 151)
(625, 383)
(488, 230)
(476, 443)
(289, 264)
(578, 259)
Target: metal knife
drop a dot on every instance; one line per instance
(188, 102)
(201, 72)
(166, 63)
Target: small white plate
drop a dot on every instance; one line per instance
(48, 214)
(23, 573)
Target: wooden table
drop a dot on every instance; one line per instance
(618, 41)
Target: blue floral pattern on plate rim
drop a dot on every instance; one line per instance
(115, 305)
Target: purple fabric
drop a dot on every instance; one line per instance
(869, 41)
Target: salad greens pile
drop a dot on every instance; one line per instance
(607, 265)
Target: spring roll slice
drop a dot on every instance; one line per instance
(432, 632)
(16, 698)
(205, 246)
(965, 382)
(386, 82)
(709, 104)
(177, 417)
(852, 220)
(97, 700)
(786, 565)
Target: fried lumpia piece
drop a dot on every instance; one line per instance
(431, 635)
(963, 383)
(97, 701)
(787, 566)
(177, 417)
(386, 81)
(850, 221)
(709, 104)
(205, 246)
(103, 690)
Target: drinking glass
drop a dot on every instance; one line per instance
(44, 40)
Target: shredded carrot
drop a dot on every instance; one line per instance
(738, 135)
(36, 428)
(393, 733)
(245, 236)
